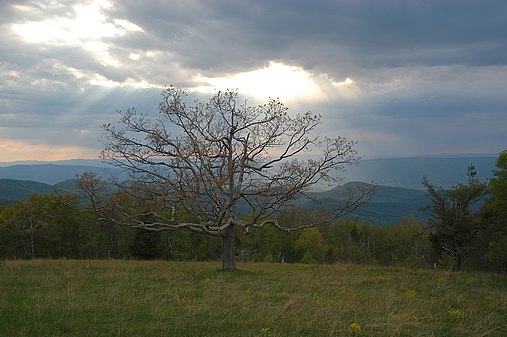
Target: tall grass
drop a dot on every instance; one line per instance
(139, 298)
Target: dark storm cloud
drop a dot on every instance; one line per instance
(362, 33)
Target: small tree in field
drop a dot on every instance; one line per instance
(223, 164)
(455, 220)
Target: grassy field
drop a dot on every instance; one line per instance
(139, 298)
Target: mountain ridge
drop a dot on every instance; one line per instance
(53, 173)
(399, 190)
(400, 202)
(404, 172)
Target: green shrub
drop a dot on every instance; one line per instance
(308, 258)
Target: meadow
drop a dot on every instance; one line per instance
(159, 298)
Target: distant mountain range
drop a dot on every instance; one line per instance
(53, 173)
(397, 172)
(399, 191)
(408, 172)
(388, 205)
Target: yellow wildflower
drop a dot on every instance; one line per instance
(356, 329)
(264, 330)
(457, 313)
(410, 293)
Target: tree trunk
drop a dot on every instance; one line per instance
(113, 243)
(32, 246)
(228, 250)
(458, 261)
(32, 243)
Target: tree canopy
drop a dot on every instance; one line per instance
(495, 215)
(498, 184)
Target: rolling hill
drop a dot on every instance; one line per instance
(12, 190)
(388, 205)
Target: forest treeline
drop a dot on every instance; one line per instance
(60, 226)
(53, 226)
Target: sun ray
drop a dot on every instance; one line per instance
(279, 80)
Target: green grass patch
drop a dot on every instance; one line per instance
(140, 298)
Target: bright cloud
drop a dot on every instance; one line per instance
(276, 80)
(88, 23)
(87, 27)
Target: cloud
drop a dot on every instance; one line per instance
(277, 80)
(87, 23)
(87, 27)
(406, 77)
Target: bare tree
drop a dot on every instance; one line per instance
(221, 160)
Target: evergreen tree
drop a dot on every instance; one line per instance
(455, 218)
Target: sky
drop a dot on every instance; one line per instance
(404, 78)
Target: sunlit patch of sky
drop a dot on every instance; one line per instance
(276, 80)
(87, 26)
